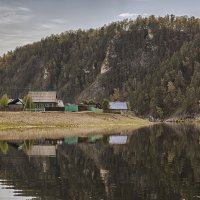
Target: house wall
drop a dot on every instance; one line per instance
(118, 111)
(58, 109)
(45, 104)
(15, 108)
(12, 108)
(82, 108)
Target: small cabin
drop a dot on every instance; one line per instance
(118, 107)
(15, 105)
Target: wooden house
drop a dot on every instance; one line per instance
(44, 99)
(15, 105)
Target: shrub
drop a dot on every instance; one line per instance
(4, 101)
(105, 105)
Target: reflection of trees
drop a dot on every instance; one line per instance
(27, 145)
(157, 163)
(4, 147)
(165, 161)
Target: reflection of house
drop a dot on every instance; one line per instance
(42, 150)
(15, 105)
(44, 99)
(71, 140)
(75, 140)
(118, 139)
(94, 138)
(118, 107)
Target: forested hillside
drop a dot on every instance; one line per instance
(154, 63)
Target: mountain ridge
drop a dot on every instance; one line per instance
(152, 62)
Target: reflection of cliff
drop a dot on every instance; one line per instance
(113, 168)
(157, 163)
(81, 171)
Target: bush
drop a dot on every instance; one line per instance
(88, 102)
(28, 102)
(105, 105)
(4, 101)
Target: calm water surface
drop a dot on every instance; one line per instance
(161, 162)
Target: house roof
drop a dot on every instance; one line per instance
(43, 97)
(15, 102)
(118, 105)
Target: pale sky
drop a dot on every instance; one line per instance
(26, 21)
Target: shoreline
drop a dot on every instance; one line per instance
(51, 120)
(30, 134)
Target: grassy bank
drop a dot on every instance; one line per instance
(25, 120)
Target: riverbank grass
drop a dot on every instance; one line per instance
(25, 120)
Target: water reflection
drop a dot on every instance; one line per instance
(118, 139)
(161, 162)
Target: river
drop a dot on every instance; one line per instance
(159, 162)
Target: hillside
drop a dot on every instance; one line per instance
(154, 63)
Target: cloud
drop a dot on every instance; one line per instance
(54, 23)
(127, 15)
(13, 15)
(48, 26)
(59, 21)
(141, 0)
(24, 9)
(20, 25)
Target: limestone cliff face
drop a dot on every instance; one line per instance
(97, 89)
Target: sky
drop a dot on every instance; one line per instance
(25, 21)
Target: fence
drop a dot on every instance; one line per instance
(58, 109)
(92, 109)
(71, 108)
(35, 110)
